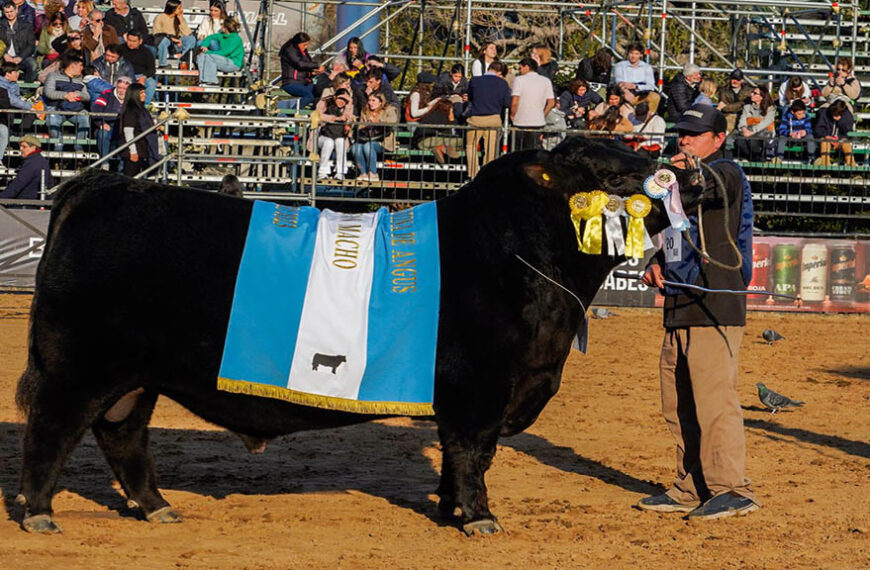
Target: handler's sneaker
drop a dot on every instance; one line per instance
(725, 505)
(665, 504)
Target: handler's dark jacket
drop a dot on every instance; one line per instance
(28, 181)
(693, 309)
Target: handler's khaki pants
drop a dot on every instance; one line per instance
(490, 141)
(699, 402)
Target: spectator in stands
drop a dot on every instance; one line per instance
(297, 69)
(96, 85)
(26, 13)
(20, 41)
(843, 85)
(636, 78)
(682, 90)
(9, 73)
(34, 174)
(340, 81)
(134, 120)
(795, 128)
(487, 54)
(97, 36)
(45, 12)
(733, 97)
(756, 125)
(547, 66)
(614, 98)
(649, 140)
(452, 82)
(125, 19)
(70, 44)
(110, 102)
(531, 100)
(142, 61)
(231, 186)
(374, 83)
(576, 101)
(65, 90)
(56, 28)
(374, 135)
(706, 92)
(83, 11)
(388, 70)
(217, 12)
(488, 96)
(5, 121)
(795, 89)
(428, 109)
(325, 81)
(171, 32)
(112, 66)
(336, 114)
(833, 126)
(612, 121)
(420, 100)
(228, 57)
(354, 56)
(596, 69)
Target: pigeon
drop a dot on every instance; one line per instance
(600, 313)
(771, 336)
(773, 401)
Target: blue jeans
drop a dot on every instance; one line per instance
(187, 42)
(365, 155)
(82, 127)
(104, 141)
(305, 92)
(4, 140)
(209, 64)
(150, 88)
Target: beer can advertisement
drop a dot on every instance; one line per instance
(827, 275)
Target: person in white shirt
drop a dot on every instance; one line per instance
(636, 78)
(531, 99)
(217, 13)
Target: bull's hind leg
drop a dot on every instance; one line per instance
(122, 434)
(464, 464)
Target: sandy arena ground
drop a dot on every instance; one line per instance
(361, 497)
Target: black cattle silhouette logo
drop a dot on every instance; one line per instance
(328, 360)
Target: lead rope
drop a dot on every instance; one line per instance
(553, 281)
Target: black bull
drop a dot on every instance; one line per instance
(134, 292)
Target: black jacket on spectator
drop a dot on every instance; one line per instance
(140, 59)
(112, 71)
(445, 86)
(360, 97)
(23, 38)
(680, 96)
(587, 72)
(826, 126)
(549, 70)
(734, 101)
(132, 21)
(5, 103)
(296, 66)
(488, 94)
(26, 184)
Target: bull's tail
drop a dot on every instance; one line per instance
(26, 392)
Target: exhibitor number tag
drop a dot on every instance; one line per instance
(673, 246)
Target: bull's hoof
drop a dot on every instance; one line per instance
(166, 515)
(40, 523)
(484, 526)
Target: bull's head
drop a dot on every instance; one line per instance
(579, 164)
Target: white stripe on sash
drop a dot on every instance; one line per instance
(330, 355)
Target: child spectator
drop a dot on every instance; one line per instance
(795, 89)
(488, 53)
(843, 85)
(756, 125)
(374, 136)
(228, 56)
(795, 127)
(832, 127)
(576, 101)
(336, 112)
(706, 92)
(95, 84)
(171, 32)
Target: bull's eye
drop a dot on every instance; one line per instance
(616, 180)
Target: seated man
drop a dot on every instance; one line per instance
(112, 66)
(20, 41)
(636, 78)
(9, 73)
(65, 90)
(795, 127)
(374, 83)
(682, 90)
(832, 127)
(143, 61)
(34, 174)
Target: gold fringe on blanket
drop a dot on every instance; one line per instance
(325, 402)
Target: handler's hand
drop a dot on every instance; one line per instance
(652, 277)
(682, 161)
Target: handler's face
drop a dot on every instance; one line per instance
(700, 144)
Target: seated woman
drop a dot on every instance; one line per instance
(56, 28)
(171, 32)
(298, 69)
(353, 57)
(430, 110)
(228, 56)
(373, 136)
(336, 112)
(83, 9)
(842, 85)
(217, 13)
(576, 101)
(756, 125)
(614, 98)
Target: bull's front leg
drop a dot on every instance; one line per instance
(466, 458)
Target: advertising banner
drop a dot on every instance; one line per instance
(21, 243)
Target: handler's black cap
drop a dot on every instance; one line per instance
(737, 74)
(699, 119)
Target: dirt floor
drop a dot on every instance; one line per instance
(361, 497)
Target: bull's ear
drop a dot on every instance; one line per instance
(539, 174)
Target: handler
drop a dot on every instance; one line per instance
(698, 365)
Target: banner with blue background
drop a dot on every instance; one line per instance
(337, 311)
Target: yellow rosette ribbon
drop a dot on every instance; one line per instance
(589, 206)
(638, 207)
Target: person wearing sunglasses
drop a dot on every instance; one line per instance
(56, 28)
(842, 85)
(98, 35)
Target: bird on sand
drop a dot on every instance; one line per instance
(773, 401)
(771, 336)
(600, 313)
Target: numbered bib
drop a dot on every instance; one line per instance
(673, 246)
